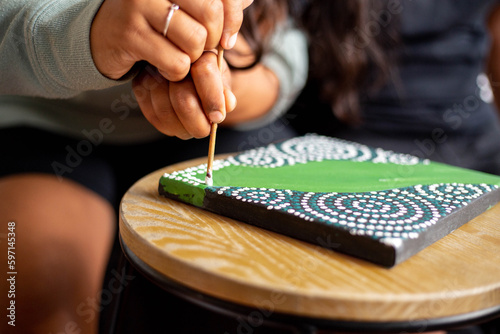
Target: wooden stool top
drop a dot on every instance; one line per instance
(246, 265)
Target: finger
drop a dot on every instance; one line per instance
(210, 14)
(142, 40)
(170, 124)
(230, 99)
(152, 47)
(152, 95)
(183, 30)
(188, 108)
(141, 90)
(247, 3)
(124, 32)
(233, 17)
(143, 96)
(130, 39)
(209, 86)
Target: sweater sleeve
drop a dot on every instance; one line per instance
(288, 60)
(45, 50)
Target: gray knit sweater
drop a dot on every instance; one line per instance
(48, 79)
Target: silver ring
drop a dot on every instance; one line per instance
(173, 8)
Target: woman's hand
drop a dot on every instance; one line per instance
(185, 109)
(127, 31)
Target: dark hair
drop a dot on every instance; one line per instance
(260, 20)
(342, 51)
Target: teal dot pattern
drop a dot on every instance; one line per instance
(401, 213)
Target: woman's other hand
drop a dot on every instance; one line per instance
(185, 109)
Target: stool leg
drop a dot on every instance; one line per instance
(109, 323)
(305, 329)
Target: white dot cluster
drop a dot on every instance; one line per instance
(313, 147)
(195, 175)
(299, 150)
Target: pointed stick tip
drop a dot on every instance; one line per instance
(208, 180)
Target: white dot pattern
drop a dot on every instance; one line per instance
(397, 213)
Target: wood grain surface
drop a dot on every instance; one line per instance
(240, 263)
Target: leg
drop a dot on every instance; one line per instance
(63, 237)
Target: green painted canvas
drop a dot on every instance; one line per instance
(366, 202)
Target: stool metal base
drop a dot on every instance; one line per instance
(303, 324)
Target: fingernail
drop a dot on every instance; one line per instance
(216, 117)
(231, 42)
(164, 74)
(231, 101)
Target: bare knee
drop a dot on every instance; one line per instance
(63, 236)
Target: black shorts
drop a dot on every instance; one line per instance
(110, 170)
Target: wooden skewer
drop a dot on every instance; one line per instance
(213, 129)
(211, 150)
